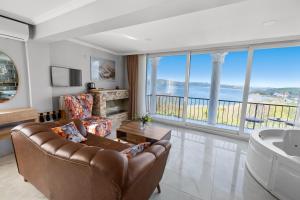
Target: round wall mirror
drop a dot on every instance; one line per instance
(8, 78)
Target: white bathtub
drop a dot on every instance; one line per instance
(273, 159)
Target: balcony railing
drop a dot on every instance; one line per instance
(258, 115)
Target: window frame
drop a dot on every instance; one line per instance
(247, 80)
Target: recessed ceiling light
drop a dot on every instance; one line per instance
(130, 37)
(270, 22)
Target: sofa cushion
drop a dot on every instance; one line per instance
(136, 149)
(70, 132)
(102, 142)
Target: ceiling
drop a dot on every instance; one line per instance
(38, 11)
(143, 26)
(246, 22)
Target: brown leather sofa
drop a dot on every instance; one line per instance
(63, 170)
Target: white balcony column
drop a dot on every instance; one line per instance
(141, 93)
(154, 64)
(217, 61)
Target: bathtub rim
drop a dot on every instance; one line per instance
(255, 137)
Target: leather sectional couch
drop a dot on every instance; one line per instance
(96, 170)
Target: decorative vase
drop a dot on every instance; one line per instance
(142, 125)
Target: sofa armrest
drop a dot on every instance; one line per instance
(139, 165)
(159, 147)
(112, 165)
(145, 171)
(143, 162)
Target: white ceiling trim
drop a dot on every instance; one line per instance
(93, 46)
(65, 8)
(228, 46)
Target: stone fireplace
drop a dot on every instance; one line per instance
(116, 106)
(111, 104)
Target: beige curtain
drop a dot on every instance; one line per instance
(132, 71)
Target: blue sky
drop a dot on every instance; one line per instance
(278, 67)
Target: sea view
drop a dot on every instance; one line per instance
(229, 92)
(234, 94)
(272, 98)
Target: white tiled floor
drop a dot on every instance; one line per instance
(200, 166)
(208, 167)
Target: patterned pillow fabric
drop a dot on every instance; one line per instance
(79, 107)
(134, 150)
(80, 127)
(97, 125)
(69, 132)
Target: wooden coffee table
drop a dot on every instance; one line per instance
(132, 133)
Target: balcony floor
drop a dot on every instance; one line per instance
(200, 166)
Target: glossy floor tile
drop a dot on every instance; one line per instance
(209, 167)
(200, 166)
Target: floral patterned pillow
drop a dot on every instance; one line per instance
(134, 150)
(69, 132)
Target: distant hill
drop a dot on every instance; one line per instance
(291, 92)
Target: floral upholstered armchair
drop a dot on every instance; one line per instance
(80, 107)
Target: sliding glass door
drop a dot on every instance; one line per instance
(212, 89)
(216, 88)
(232, 78)
(167, 85)
(274, 88)
(199, 88)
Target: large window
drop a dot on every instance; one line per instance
(216, 76)
(275, 88)
(232, 78)
(168, 85)
(199, 87)
(208, 88)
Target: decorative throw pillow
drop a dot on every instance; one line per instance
(70, 132)
(134, 150)
(79, 125)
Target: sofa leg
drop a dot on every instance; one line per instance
(158, 188)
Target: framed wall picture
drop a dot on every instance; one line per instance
(102, 69)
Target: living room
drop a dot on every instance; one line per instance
(151, 100)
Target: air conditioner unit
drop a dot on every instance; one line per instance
(13, 29)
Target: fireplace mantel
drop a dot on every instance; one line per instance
(111, 104)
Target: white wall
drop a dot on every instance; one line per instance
(39, 62)
(40, 57)
(16, 51)
(69, 54)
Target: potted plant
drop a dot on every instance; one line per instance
(144, 119)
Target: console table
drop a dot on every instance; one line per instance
(12, 117)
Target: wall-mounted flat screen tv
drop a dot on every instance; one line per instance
(65, 77)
